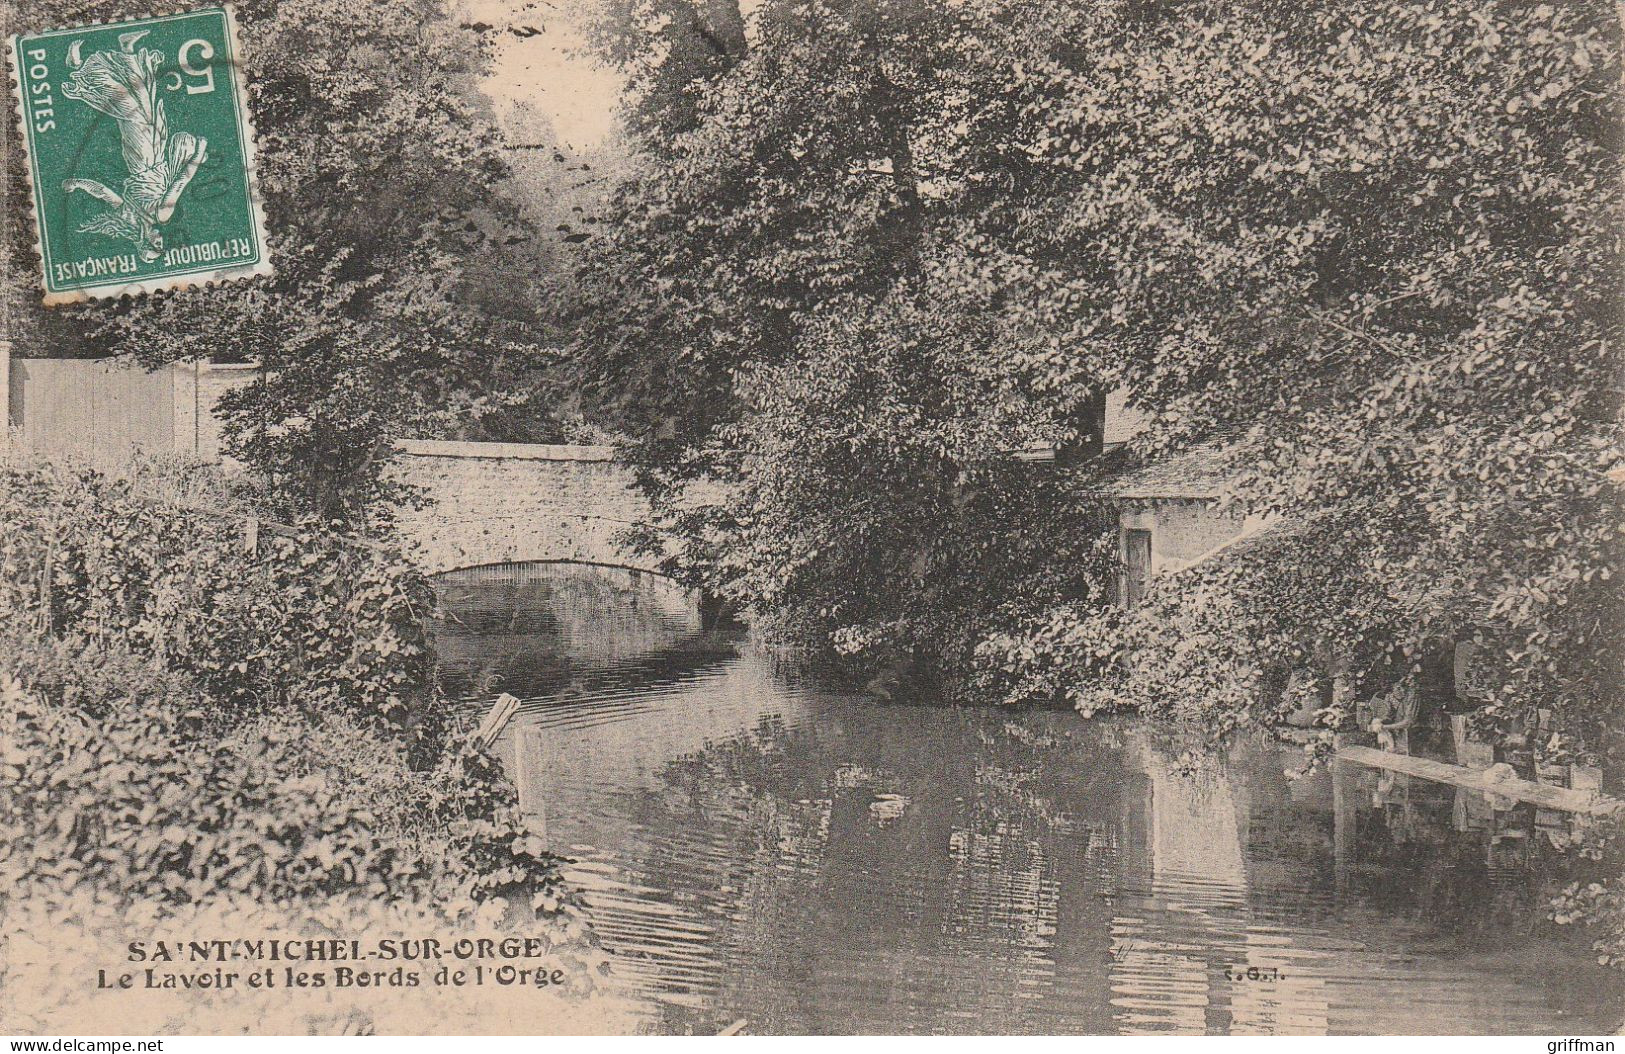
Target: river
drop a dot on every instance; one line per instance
(755, 846)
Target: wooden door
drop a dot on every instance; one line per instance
(1136, 566)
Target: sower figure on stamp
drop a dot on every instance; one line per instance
(124, 85)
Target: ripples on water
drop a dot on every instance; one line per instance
(754, 846)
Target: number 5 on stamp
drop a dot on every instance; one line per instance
(140, 155)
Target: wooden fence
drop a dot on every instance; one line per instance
(102, 411)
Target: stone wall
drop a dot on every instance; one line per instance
(488, 503)
(96, 411)
(1182, 530)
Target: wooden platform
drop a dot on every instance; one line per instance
(1542, 794)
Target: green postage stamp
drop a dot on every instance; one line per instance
(140, 155)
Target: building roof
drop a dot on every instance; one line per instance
(1267, 533)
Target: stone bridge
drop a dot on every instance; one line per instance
(488, 503)
(498, 503)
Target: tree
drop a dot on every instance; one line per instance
(669, 50)
(1373, 252)
(1379, 250)
(813, 206)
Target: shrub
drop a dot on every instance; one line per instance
(314, 621)
(188, 717)
(1600, 907)
(133, 806)
(94, 678)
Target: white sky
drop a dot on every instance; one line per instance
(547, 70)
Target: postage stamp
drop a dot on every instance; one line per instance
(140, 155)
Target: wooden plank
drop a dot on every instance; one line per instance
(1564, 798)
(496, 719)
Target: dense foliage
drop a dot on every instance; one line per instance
(306, 620)
(1373, 251)
(132, 802)
(1600, 908)
(767, 315)
(185, 718)
(1381, 251)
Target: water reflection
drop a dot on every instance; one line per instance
(754, 846)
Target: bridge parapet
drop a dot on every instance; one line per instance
(488, 503)
(511, 451)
